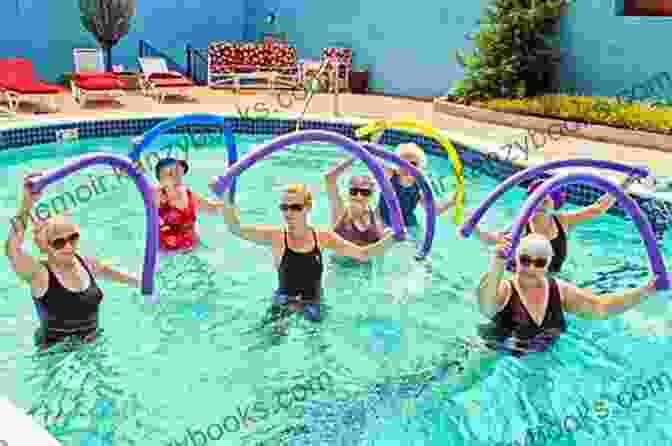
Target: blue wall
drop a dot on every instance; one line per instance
(607, 53)
(46, 31)
(409, 46)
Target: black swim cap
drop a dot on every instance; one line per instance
(165, 162)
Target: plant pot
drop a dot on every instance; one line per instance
(359, 82)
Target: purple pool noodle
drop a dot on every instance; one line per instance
(537, 171)
(310, 136)
(152, 214)
(430, 209)
(628, 205)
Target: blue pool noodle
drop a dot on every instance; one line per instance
(321, 136)
(194, 119)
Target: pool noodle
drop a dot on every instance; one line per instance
(428, 196)
(194, 119)
(537, 171)
(628, 204)
(428, 131)
(313, 136)
(115, 161)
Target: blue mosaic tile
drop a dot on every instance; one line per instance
(577, 194)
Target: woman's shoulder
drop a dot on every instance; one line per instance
(323, 233)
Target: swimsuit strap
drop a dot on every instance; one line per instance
(317, 244)
(86, 268)
(191, 203)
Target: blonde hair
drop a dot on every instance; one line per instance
(43, 230)
(412, 148)
(299, 188)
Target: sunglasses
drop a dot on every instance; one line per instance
(291, 207)
(413, 163)
(60, 243)
(539, 262)
(357, 191)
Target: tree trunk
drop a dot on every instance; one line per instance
(108, 59)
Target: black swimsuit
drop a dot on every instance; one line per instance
(514, 330)
(300, 273)
(66, 313)
(300, 281)
(559, 245)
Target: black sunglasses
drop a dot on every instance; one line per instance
(293, 207)
(60, 243)
(363, 192)
(539, 262)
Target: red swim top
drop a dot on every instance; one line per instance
(176, 230)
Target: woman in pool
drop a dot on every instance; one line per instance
(555, 227)
(407, 188)
(178, 206)
(297, 251)
(355, 222)
(64, 287)
(527, 311)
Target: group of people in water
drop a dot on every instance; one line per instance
(526, 311)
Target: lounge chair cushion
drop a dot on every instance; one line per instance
(242, 68)
(31, 87)
(17, 75)
(16, 70)
(166, 75)
(172, 82)
(99, 83)
(94, 75)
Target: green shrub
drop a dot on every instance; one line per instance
(514, 50)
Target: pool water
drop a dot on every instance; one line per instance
(174, 373)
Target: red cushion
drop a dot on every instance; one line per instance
(29, 87)
(16, 70)
(244, 68)
(181, 82)
(93, 75)
(169, 75)
(100, 83)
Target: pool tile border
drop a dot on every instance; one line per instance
(48, 131)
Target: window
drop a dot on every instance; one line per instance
(639, 8)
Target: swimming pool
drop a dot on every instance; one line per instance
(167, 374)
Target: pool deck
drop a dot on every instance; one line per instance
(475, 134)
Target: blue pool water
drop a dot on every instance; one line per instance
(198, 363)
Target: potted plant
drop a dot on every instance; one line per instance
(108, 21)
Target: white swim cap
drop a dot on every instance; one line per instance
(535, 245)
